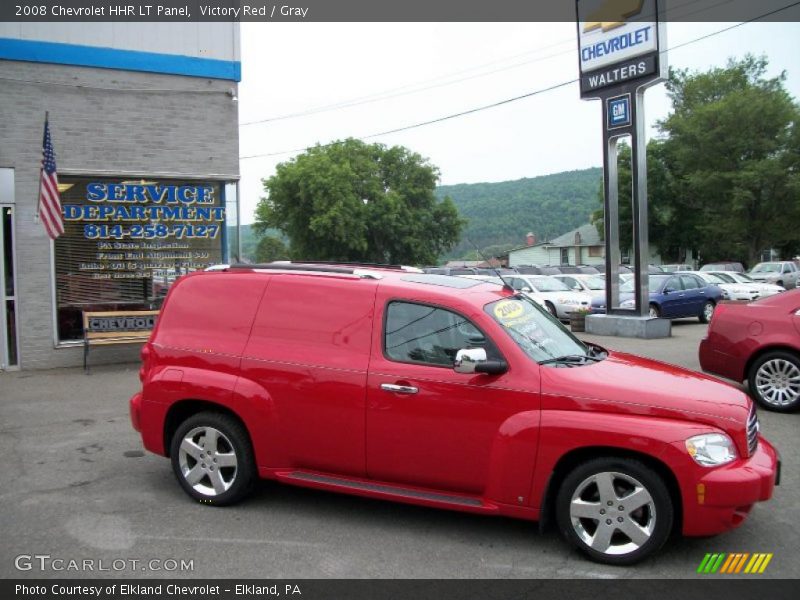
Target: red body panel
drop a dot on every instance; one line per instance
(739, 332)
(299, 358)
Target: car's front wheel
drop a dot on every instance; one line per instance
(551, 308)
(212, 458)
(616, 510)
(655, 312)
(775, 381)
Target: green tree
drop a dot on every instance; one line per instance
(270, 248)
(733, 150)
(351, 201)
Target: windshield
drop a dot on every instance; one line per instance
(726, 277)
(767, 268)
(715, 278)
(595, 283)
(534, 330)
(741, 278)
(547, 284)
(655, 283)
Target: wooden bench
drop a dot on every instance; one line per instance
(116, 327)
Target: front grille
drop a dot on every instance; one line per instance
(752, 431)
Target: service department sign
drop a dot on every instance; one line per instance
(618, 43)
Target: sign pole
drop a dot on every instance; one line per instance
(619, 54)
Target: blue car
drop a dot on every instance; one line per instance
(672, 296)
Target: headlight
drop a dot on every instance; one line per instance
(570, 301)
(740, 291)
(726, 294)
(711, 449)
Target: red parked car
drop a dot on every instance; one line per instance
(445, 392)
(760, 342)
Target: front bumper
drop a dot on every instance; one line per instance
(720, 499)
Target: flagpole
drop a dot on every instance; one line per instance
(38, 203)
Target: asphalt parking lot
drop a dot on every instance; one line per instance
(76, 485)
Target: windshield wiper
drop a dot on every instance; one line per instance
(571, 359)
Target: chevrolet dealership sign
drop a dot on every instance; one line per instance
(618, 42)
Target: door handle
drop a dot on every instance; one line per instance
(399, 389)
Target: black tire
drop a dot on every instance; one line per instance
(655, 311)
(707, 311)
(214, 483)
(774, 381)
(653, 518)
(550, 308)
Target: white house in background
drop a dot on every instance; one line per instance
(581, 246)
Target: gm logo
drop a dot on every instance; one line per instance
(613, 14)
(735, 563)
(619, 112)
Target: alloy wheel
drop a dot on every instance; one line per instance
(208, 461)
(778, 382)
(612, 513)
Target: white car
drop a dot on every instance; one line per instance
(499, 281)
(763, 289)
(594, 285)
(730, 289)
(557, 297)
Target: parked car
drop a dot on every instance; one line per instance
(559, 300)
(594, 285)
(583, 269)
(783, 273)
(537, 270)
(672, 296)
(677, 267)
(763, 289)
(499, 281)
(759, 342)
(443, 392)
(730, 291)
(724, 266)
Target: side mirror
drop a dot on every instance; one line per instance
(467, 359)
(473, 360)
(668, 290)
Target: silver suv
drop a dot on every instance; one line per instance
(783, 273)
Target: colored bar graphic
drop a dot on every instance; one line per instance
(733, 563)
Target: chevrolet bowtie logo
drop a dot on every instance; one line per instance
(612, 14)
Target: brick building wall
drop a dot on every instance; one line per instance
(103, 122)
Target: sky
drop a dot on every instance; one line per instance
(339, 80)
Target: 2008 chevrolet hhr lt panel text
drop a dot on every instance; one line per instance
(445, 392)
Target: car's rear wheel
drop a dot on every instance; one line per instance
(616, 510)
(775, 381)
(655, 312)
(212, 458)
(708, 311)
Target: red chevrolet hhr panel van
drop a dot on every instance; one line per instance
(442, 391)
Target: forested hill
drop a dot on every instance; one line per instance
(502, 213)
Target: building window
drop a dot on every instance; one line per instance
(564, 256)
(596, 251)
(125, 242)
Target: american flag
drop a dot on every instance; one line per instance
(49, 200)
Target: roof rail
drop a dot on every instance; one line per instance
(351, 264)
(287, 266)
(308, 268)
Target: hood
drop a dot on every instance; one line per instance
(627, 384)
(577, 297)
(764, 276)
